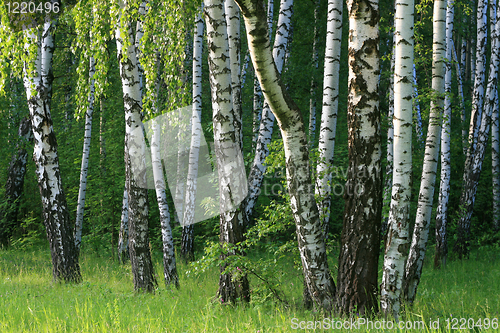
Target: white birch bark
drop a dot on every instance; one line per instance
(233, 32)
(230, 169)
(416, 107)
(328, 127)
(399, 215)
(309, 232)
(386, 203)
(444, 187)
(360, 239)
(140, 255)
(38, 85)
(85, 158)
(472, 175)
(258, 168)
(194, 151)
(414, 264)
(123, 253)
(479, 77)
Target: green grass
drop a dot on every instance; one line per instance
(105, 302)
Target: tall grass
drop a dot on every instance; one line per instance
(105, 301)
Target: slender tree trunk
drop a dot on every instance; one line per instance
(123, 251)
(232, 287)
(416, 107)
(471, 176)
(85, 158)
(396, 247)
(326, 145)
(390, 147)
(425, 198)
(309, 232)
(187, 242)
(444, 187)
(38, 86)
(312, 90)
(258, 168)
(15, 183)
(140, 255)
(495, 163)
(459, 71)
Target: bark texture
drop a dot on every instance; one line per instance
(233, 286)
(398, 235)
(38, 86)
(308, 228)
(140, 255)
(360, 240)
(416, 256)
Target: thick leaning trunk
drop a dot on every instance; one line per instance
(360, 240)
(398, 233)
(231, 171)
(305, 212)
(55, 211)
(140, 255)
(85, 158)
(281, 44)
(328, 128)
(444, 187)
(15, 183)
(416, 256)
(471, 176)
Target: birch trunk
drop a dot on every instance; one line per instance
(140, 255)
(416, 107)
(15, 183)
(309, 232)
(495, 152)
(459, 71)
(38, 86)
(85, 158)
(444, 187)
(328, 128)
(258, 168)
(232, 288)
(413, 269)
(312, 90)
(396, 248)
(187, 242)
(479, 78)
(123, 251)
(471, 176)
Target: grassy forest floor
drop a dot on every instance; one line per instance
(105, 302)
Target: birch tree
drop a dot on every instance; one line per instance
(328, 128)
(85, 158)
(258, 168)
(444, 187)
(309, 232)
(38, 85)
(312, 89)
(187, 249)
(471, 176)
(123, 252)
(413, 269)
(399, 215)
(360, 237)
(140, 255)
(231, 178)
